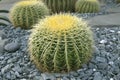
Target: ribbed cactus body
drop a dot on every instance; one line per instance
(24, 14)
(60, 43)
(60, 5)
(87, 6)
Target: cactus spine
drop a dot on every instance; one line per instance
(60, 5)
(60, 43)
(87, 6)
(24, 14)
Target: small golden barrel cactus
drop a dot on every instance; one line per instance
(57, 6)
(87, 6)
(24, 14)
(60, 43)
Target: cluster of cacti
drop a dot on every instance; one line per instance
(60, 43)
(87, 6)
(60, 5)
(24, 14)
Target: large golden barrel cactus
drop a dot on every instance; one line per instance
(87, 6)
(24, 14)
(60, 43)
(57, 6)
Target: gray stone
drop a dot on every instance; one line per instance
(12, 47)
(75, 74)
(17, 68)
(65, 78)
(17, 74)
(12, 60)
(38, 78)
(97, 76)
(101, 59)
(2, 34)
(96, 50)
(102, 65)
(6, 68)
(8, 75)
(2, 44)
(47, 76)
(89, 72)
(57, 75)
(91, 65)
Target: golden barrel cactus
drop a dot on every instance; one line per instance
(24, 14)
(57, 6)
(60, 43)
(87, 6)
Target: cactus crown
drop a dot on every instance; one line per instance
(26, 3)
(61, 22)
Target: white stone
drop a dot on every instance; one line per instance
(111, 79)
(118, 32)
(112, 31)
(103, 41)
(111, 62)
(94, 69)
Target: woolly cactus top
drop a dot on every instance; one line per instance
(60, 22)
(27, 3)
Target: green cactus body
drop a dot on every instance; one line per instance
(24, 14)
(87, 6)
(57, 6)
(60, 43)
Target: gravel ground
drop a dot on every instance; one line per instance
(105, 64)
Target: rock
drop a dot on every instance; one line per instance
(8, 75)
(89, 72)
(23, 79)
(96, 50)
(17, 68)
(103, 41)
(118, 32)
(102, 65)
(100, 59)
(6, 68)
(91, 65)
(47, 76)
(2, 34)
(17, 74)
(2, 44)
(57, 75)
(75, 74)
(97, 76)
(65, 78)
(12, 60)
(12, 47)
(38, 78)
